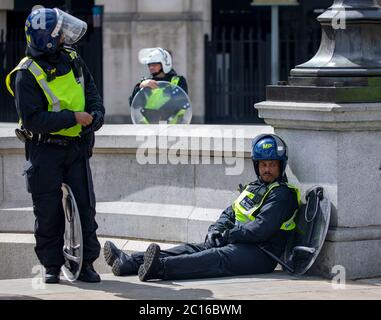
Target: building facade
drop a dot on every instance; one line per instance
(222, 47)
(128, 26)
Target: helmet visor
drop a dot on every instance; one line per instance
(71, 27)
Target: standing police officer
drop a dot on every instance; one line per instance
(261, 216)
(56, 98)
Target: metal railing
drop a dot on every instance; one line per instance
(238, 68)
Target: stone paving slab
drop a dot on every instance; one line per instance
(276, 286)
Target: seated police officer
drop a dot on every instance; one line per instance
(56, 98)
(159, 63)
(261, 217)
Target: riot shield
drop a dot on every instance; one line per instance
(73, 242)
(306, 241)
(312, 222)
(167, 103)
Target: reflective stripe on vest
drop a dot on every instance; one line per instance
(248, 204)
(61, 93)
(40, 76)
(157, 98)
(23, 64)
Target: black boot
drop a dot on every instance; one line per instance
(52, 274)
(122, 264)
(153, 267)
(111, 252)
(125, 265)
(88, 274)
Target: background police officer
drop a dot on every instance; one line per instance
(56, 98)
(262, 216)
(162, 100)
(159, 63)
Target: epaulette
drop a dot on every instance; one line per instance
(25, 64)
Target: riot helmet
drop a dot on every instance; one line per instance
(44, 28)
(156, 55)
(269, 147)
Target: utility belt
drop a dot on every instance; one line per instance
(63, 141)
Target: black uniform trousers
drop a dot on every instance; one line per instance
(51, 166)
(190, 261)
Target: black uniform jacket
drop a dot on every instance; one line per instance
(279, 206)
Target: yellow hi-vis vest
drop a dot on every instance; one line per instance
(64, 92)
(157, 98)
(248, 203)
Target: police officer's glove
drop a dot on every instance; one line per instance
(210, 239)
(95, 125)
(98, 120)
(223, 238)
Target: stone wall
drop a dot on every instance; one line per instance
(140, 198)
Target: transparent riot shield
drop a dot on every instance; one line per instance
(73, 242)
(167, 103)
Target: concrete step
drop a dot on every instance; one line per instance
(151, 221)
(162, 222)
(18, 259)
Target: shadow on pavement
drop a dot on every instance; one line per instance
(17, 297)
(147, 291)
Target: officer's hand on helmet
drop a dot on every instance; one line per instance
(148, 83)
(83, 118)
(210, 239)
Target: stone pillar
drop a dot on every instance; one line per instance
(3, 20)
(4, 6)
(329, 112)
(178, 25)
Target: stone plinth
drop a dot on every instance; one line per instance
(330, 115)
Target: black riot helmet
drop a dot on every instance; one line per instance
(269, 147)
